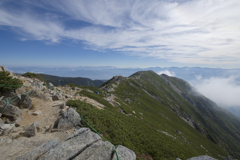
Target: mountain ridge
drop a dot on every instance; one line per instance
(79, 81)
(222, 129)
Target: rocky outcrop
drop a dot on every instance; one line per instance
(73, 145)
(12, 96)
(99, 150)
(7, 128)
(81, 145)
(124, 153)
(10, 110)
(39, 151)
(56, 97)
(69, 120)
(25, 101)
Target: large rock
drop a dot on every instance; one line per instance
(39, 151)
(99, 150)
(12, 96)
(7, 128)
(10, 110)
(202, 158)
(26, 101)
(56, 97)
(18, 122)
(124, 153)
(69, 120)
(73, 145)
(32, 130)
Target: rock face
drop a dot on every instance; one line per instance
(26, 101)
(18, 122)
(39, 151)
(12, 96)
(99, 150)
(72, 146)
(10, 110)
(69, 120)
(55, 97)
(202, 158)
(81, 145)
(124, 153)
(32, 130)
(7, 128)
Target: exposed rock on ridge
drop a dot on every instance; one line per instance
(81, 145)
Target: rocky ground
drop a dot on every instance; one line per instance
(38, 125)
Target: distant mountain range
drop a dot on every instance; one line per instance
(193, 75)
(79, 81)
(186, 73)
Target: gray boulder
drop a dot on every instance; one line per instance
(32, 130)
(69, 120)
(10, 110)
(18, 122)
(55, 97)
(26, 101)
(202, 158)
(99, 150)
(39, 151)
(73, 145)
(36, 113)
(124, 153)
(33, 93)
(7, 128)
(12, 96)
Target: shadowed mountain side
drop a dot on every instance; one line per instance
(79, 81)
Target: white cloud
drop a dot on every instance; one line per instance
(196, 31)
(223, 91)
(172, 74)
(198, 77)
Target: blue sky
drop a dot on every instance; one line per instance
(123, 33)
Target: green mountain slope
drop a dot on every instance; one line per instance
(220, 126)
(79, 81)
(157, 117)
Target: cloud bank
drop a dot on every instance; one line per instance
(193, 31)
(223, 91)
(172, 74)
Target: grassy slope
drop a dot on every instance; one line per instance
(221, 124)
(79, 81)
(140, 132)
